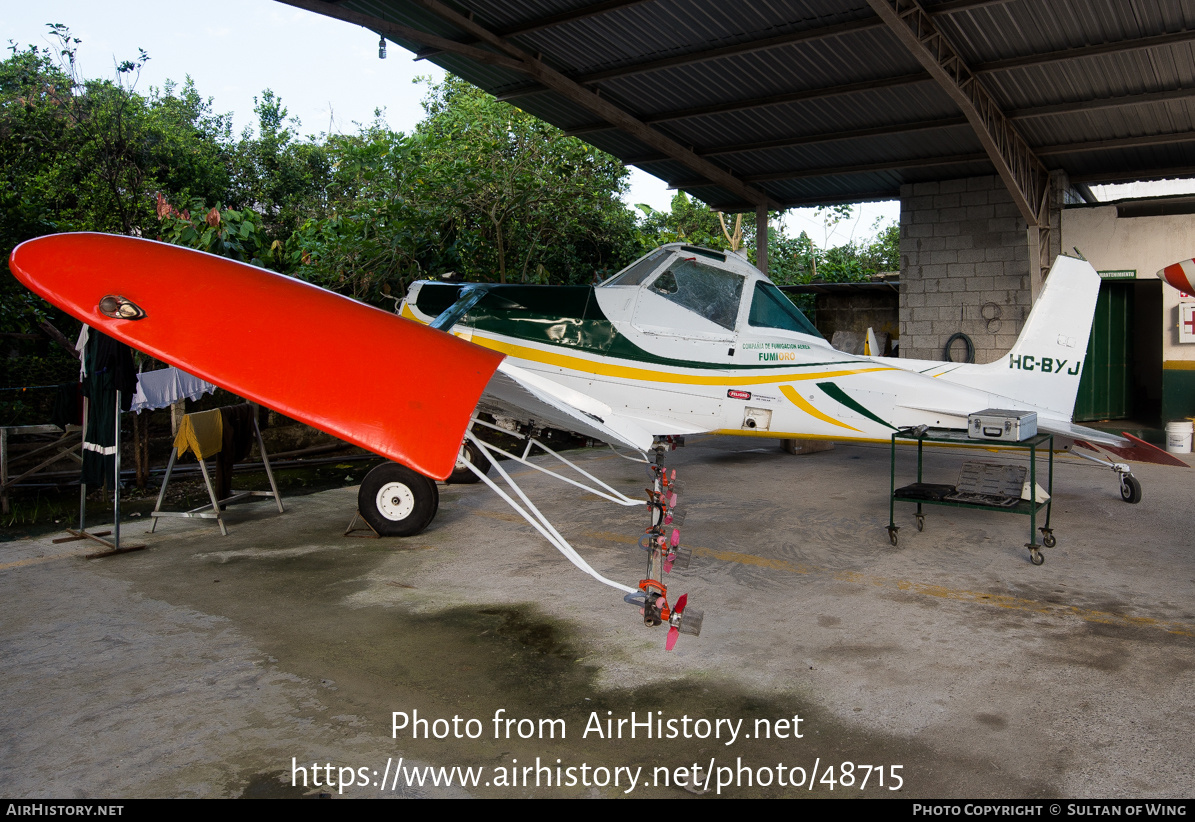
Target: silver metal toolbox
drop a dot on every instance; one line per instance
(1002, 424)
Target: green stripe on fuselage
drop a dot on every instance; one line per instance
(567, 316)
(837, 393)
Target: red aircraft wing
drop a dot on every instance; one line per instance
(364, 375)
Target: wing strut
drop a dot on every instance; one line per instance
(611, 494)
(533, 515)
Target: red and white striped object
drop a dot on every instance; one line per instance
(1180, 275)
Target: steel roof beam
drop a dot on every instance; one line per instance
(874, 195)
(779, 41)
(991, 67)
(770, 100)
(533, 67)
(1096, 103)
(1030, 112)
(1117, 142)
(813, 139)
(952, 159)
(1168, 173)
(750, 46)
(399, 32)
(551, 21)
(1023, 173)
(515, 59)
(1173, 38)
(856, 168)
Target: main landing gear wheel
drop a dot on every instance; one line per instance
(396, 501)
(470, 453)
(1130, 489)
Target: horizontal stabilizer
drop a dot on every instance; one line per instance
(1081, 433)
(1138, 450)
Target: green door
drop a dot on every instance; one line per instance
(1106, 385)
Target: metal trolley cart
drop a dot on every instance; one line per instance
(923, 494)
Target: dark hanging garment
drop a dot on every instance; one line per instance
(237, 442)
(108, 368)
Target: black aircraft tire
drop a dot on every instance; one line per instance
(396, 501)
(462, 475)
(1130, 490)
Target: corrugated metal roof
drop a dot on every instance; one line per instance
(1104, 88)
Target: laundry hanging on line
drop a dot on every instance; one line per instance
(164, 387)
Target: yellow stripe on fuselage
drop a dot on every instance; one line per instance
(606, 368)
(609, 369)
(800, 402)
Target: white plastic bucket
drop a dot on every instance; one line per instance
(1178, 437)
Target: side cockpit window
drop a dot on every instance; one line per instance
(771, 309)
(710, 292)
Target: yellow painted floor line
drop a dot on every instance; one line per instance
(929, 589)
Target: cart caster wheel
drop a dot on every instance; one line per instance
(1048, 539)
(1036, 557)
(920, 523)
(892, 534)
(1130, 489)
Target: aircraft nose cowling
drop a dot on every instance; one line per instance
(1180, 275)
(359, 373)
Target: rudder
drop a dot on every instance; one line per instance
(1044, 366)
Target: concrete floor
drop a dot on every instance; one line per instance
(210, 666)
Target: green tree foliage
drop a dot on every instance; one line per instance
(237, 235)
(81, 154)
(688, 221)
(90, 154)
(534, 203)
(383, 223)
(276, 174)
(791, 260)
(480, 188)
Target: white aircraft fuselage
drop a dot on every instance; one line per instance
(687, 340)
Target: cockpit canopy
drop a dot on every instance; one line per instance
(713, 285)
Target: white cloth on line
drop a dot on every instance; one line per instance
(158, 389)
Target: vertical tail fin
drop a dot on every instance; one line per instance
(1046, 362)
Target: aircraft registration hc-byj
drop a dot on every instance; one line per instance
(683, 341)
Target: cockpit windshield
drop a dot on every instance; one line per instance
(640, 271)
(771, 309)
(710, 292)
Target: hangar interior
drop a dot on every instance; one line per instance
(988, 119)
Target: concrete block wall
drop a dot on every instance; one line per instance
(964, 266)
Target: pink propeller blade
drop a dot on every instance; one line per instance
(670, 642)
(680, 604)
